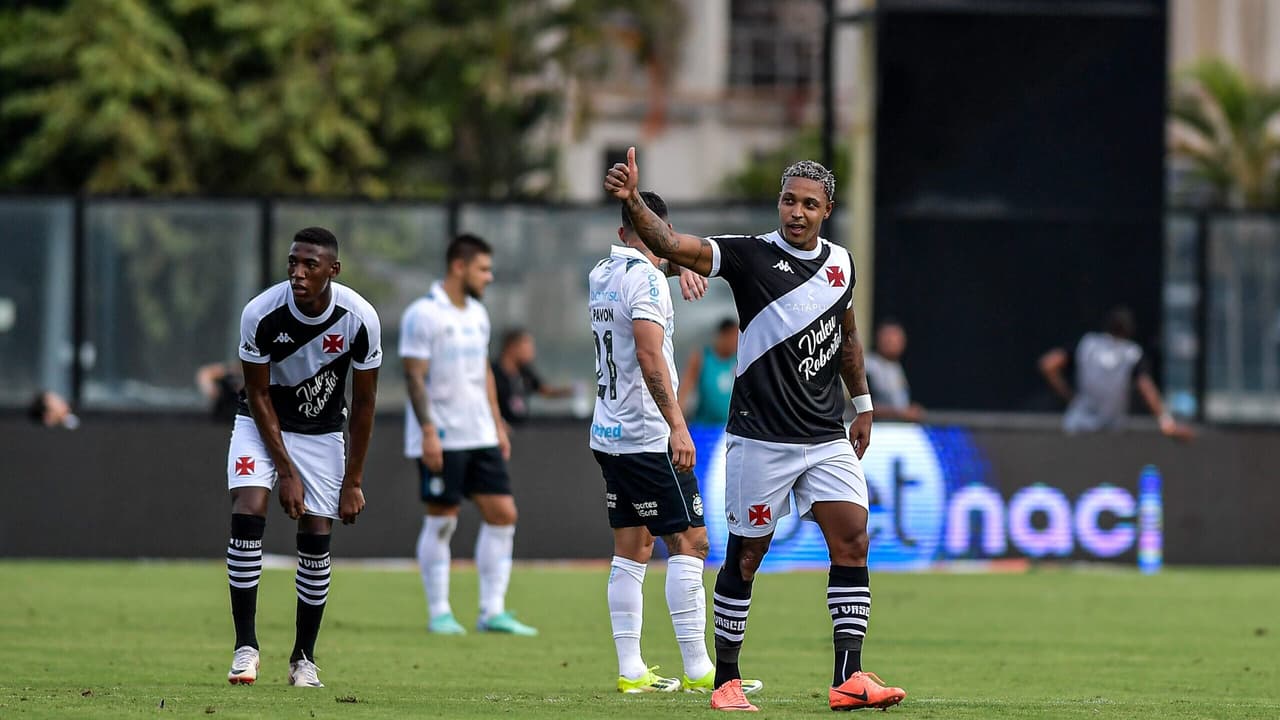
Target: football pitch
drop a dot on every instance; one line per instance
(152, 639)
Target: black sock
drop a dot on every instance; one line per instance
(731, 601)
(849, 600)
(244, 568)
(312, 583)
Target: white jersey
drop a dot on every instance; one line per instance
(455, 341)
(624, 288)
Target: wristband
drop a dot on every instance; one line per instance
(862, 403)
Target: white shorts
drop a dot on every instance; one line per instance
(759, 477)
(319, 459)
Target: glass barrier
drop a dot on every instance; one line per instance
(1244, 320)
(166, 283)
(35, 297)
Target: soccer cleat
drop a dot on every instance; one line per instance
(864, 690)
(647, 683)
(731, 697)
(445, 624)
(303, 674)
(706, 684)
(244, 666)
(505, 622)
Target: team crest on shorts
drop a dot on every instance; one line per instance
(697, 504)
(759, 515)
(244, 465)
(436, 486)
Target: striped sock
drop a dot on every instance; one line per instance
(849, 600)
(244, 568)
(730, 601)
(312, 583)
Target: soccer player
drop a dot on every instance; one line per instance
(640, 439)
(297, 341)
(794, 294)
(455, 434)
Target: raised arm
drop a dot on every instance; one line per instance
(854, 373)
(622, 182)
(653, 368)
(364, 395)
(1052, 365)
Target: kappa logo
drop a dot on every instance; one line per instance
(333, 344)
(284, 338)
(244, 465)
(784, 266)
(835, 275)
(759, 515)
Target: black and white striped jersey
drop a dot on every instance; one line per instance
(309, 356)
(791, 304)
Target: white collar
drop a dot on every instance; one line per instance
(307, 319)
(776, 238)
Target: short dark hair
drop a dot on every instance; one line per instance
(319, 237)
(653, 201)
(1120, 322)
(725, 324)
(512, 336)
(465, 247)
(36, 408)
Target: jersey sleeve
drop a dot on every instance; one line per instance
(642, 291)
(366, 351)
(250, 345)
(727, 256)
(416, 332)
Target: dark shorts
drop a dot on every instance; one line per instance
(644, 489)
(481, 471)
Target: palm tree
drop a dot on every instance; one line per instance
(1228, 128)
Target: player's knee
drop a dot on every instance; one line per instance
(692, 542)
(749, 562)
(500, 514)
(851, 549)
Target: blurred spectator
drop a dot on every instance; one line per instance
(1105, 364)
(50, 409)
(221, 386)
(889, 387)
(516, 381)
(707, 383)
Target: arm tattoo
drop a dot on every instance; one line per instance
(704, 245)
(658, 389)
(651, 228)
(852, 367)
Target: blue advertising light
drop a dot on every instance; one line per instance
(934, 498)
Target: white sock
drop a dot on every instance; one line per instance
(687, 601)
(493, 564)
(433, 561)
(626, 612)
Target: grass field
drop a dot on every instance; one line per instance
(105, 640)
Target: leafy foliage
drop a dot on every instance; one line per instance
(760, 179)
(1228, 127)
(414, 97)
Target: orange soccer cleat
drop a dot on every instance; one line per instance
(864, 690)
(729, 696)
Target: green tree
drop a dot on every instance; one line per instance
(1225, 125)
(760, 179)
(413, 97)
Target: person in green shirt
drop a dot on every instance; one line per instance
(707, 382)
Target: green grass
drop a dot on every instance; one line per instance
(105, 640)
